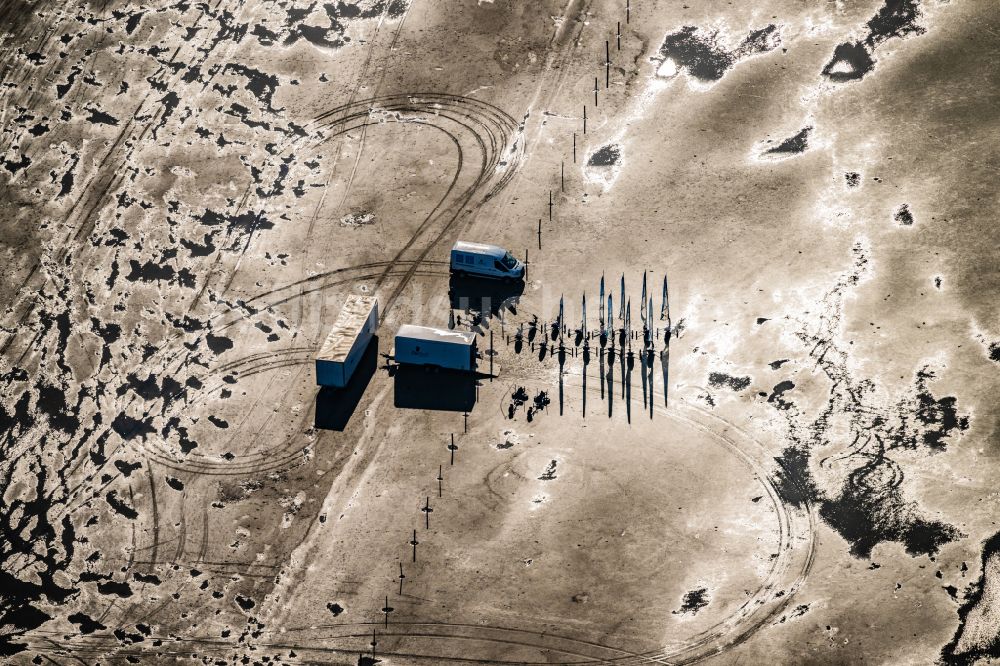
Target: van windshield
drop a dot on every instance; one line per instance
(509, 261)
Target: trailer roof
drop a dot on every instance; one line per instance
(346, 329)
(480, 248)
(435, 334)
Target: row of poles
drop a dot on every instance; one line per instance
(426, 509)
(413, 542)
(607, 85)
(650, 332)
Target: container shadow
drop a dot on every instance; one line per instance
(335, 406)
(442, 390)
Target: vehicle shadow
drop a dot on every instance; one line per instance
(443, 390)
(335, 406)
(483, 297)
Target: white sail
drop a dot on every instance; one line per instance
(663, 304)
(642, 303)
(649, 309)
(621, 299)
(561, 320)
(600, 303)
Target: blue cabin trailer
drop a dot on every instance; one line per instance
(348, 339)
(435, 348)
(481, 260)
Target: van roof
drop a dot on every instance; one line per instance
(415, 332)
(480, 248)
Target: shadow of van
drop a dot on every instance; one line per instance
(335, 406)
(417, 387)
(483, 296)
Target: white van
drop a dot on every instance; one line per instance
(484, 260)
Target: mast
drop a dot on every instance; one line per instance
(621, 299)
(642, 302)
(663, 304)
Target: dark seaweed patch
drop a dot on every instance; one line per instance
(218, 343)
(850, 62)
(852, 178)
(149, 272)
(185, 323)
(860, 515)
(331, 33)
(894, 20)
(127, 468)
(67, 178)
(63, 88)
(794, 481)
(151, 579)
(721, 379)
(88, 625)
(939, 416)
(247, 221)
(24, 526)
(903, 216)
(798, 611)
(52, 402)
(397, 8)
(701, 56)
(868, 506)
(133, 22)
(120, 506)
(14, 167)
(99, 117)
(169, 103)
(994, 352)
(261, 85)
(693, 602)
(779, 389)
(130, 428)
(264, 36)
(606, 156)
(793, 144)
(973, 598)
(127, 637)
(114, 588)
(199, 249)
(146, 389)
(217, 422)
(246, 603)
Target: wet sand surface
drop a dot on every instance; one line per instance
(745, 406)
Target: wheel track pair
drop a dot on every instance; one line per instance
(406, 104)
(490, 160)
